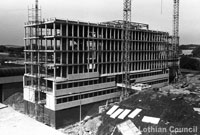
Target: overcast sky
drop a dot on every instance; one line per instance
(13, 14)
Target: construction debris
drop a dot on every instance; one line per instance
(152, 120)
(135, 113)
(112, 110)
(168, 110)
(197, 110)
(173, 105)
(128, 128)
(16, 101)
(88, 127)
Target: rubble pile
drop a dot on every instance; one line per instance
(16, 101)
(89, 126)
(171, 108)
(175, 105)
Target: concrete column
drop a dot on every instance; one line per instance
(54, 47)
(54, 29)
(72, 30)
(61, 30)
(88, 32)
(67, 28)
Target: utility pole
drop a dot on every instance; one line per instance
(126, 45)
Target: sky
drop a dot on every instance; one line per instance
(14, 13)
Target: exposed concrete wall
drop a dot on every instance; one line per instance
(59, 119)
(72, 115)
(48, 117)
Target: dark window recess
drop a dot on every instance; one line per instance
(80, 83)
(59, 86)
(104, 92)
(75, 84)
(65, 99)
(70, 85)
(86, 95)
(90, 82)
(70, 98)
(75, 97)
(95, 94)
(59, 101)
(100, 93)
(91, 95)
(64, 85)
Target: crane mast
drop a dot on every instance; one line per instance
(176, 29)
(126, 44)
(37, 60)
(175, 39)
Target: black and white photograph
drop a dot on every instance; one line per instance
(100, 67)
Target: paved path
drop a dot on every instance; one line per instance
(15, 123)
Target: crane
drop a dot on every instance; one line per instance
(126, 40)
(176, 27)
(37, 97)
(126, 44)
(175, 38)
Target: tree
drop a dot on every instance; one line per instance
(189, 63)
(196, 52)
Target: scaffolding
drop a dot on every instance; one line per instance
(133, 25)
(38, 71)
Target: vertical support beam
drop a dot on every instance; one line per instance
(83, 41)
(87, 45)
(78, 47)
(54, 48)
(46, 68)
(97, 48)
(61, 48)
(106, 47)
(67, 47)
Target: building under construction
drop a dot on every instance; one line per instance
(72, 65)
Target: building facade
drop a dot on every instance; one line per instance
(71, 64)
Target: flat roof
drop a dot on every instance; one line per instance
(12, 71)
(110, 24)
